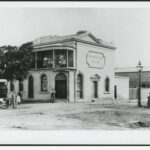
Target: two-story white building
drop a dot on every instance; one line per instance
(79, 67)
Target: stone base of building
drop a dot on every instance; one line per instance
(101, 100)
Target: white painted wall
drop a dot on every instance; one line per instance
(82, 66)
(145, 93)
(108, 70)
(122, 87)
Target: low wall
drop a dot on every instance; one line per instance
(134, 93)
(122, 84)
(145, 93)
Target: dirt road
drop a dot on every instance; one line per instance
(76, 116)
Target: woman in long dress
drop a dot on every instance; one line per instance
(18, 99)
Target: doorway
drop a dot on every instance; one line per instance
(95, 89)
(115, 92)
(61, 86)
(31, 87)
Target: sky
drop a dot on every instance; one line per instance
(127, 28)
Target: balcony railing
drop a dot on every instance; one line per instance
(53, 59)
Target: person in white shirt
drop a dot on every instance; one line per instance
(18, 99)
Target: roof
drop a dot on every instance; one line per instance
(122, 77)
(131, 69)
(79, 36)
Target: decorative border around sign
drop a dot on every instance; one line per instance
(98, 53)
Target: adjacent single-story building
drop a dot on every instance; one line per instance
(132, 74)
(121, 88)
(79, 67)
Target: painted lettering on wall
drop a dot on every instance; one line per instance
(95, 59)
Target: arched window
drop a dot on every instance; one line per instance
(107, 84)
(43, 83)
(79, 86)
(31, 87)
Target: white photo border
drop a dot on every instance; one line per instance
(75, 137)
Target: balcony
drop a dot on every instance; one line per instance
(53, 59)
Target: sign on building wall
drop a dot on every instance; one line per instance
(95, 60)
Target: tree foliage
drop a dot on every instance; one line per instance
(15, 62)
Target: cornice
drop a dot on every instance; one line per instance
(55, 42)
(52, 47)
(49, 44)
(96, 44)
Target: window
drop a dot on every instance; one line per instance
(31, 87)
(33, 61)
(107, 84)
(11, 86)
(43, 83)
(57, 58)
(70, 58)
(79, 86)
(20, 85)
(95, 88)
(61, 58)
(45, 59)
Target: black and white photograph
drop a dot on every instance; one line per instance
(72, 69)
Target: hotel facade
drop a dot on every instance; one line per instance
(79, 67)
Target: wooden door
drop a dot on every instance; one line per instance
(61, 86)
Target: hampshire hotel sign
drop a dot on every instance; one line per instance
(95, 60)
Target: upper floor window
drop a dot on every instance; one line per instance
(107, 84)
(43, 83)
(61, 58)
(45, 59)
(55, 58)
(70, 58)
(33, 61)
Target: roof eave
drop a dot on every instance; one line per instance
(75, 39)
(96, 44)
(55, 42)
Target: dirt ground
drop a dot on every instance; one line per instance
(75, 116)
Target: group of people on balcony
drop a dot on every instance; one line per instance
(51, 58)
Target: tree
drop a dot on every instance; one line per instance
(16, 62)
(6, 57)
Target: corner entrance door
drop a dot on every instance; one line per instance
(95, 89)
(30, 87)
(61, 86)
